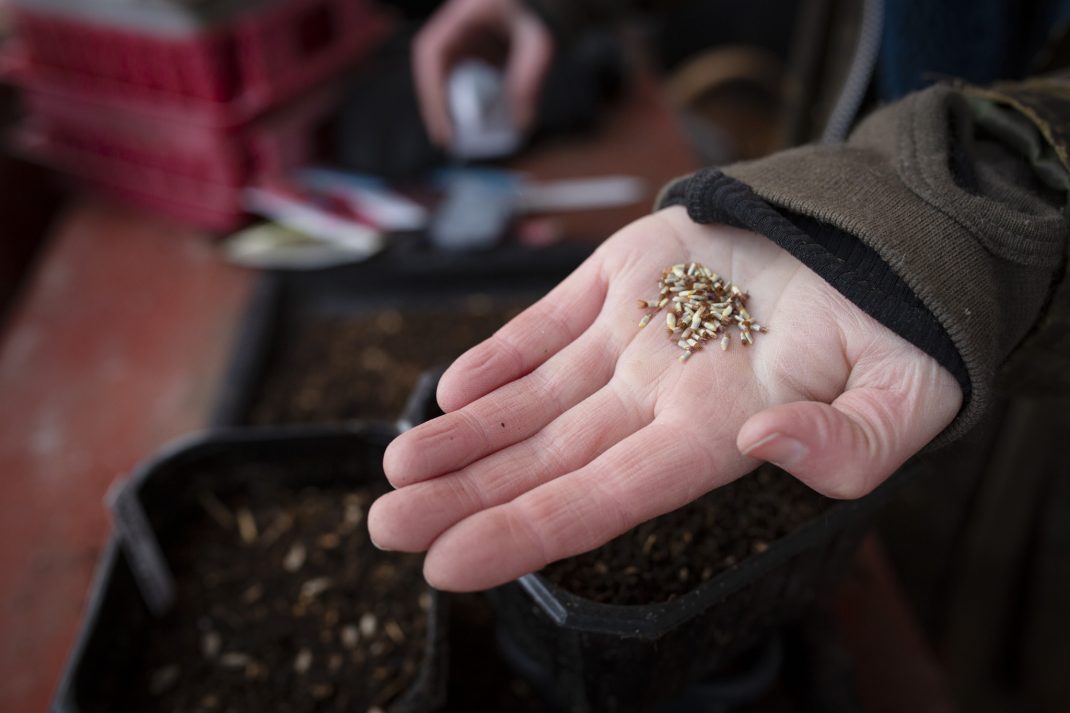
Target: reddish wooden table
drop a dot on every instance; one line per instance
(115, 347)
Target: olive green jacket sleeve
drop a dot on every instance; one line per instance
(944, 216)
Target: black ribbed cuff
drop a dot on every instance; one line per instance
(852, 268)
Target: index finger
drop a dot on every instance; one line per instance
(528, 340)
(641, 477)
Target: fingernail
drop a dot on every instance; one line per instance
(778, 449)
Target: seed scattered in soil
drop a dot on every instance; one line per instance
(328, 541)
(302, 662)
(163, 678)
(368, 624)
(702, 307)
(235, 659)
(315, 587)
(237, 655)
(394, 632)
(246, 526)
(295, 557)
(211, 643)
(354, 514)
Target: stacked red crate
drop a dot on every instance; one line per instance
(171, 110)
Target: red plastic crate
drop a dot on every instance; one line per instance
(199, 67)
(199, 203)
(220, 77)
(194, 175)
(195, 152)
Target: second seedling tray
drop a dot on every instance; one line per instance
(353, 341)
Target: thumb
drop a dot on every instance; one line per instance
(846, 449)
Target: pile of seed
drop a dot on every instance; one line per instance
(701, 306)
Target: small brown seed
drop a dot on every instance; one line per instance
(394, 632)
(295, 557)
(234, 659)
(368, 624)
(314, 587)
(211, 643)
(246, 526)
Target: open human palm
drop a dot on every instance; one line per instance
(571, 424)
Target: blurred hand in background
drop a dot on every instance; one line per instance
(464, 28)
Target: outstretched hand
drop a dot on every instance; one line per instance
(571, 425)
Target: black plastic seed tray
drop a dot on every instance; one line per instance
(114, 633)
(591, 657)
(426, 287)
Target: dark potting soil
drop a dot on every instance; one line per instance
(363, 366)
(672, 554)
(283, 605)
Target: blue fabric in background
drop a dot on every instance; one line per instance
(978, 40)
